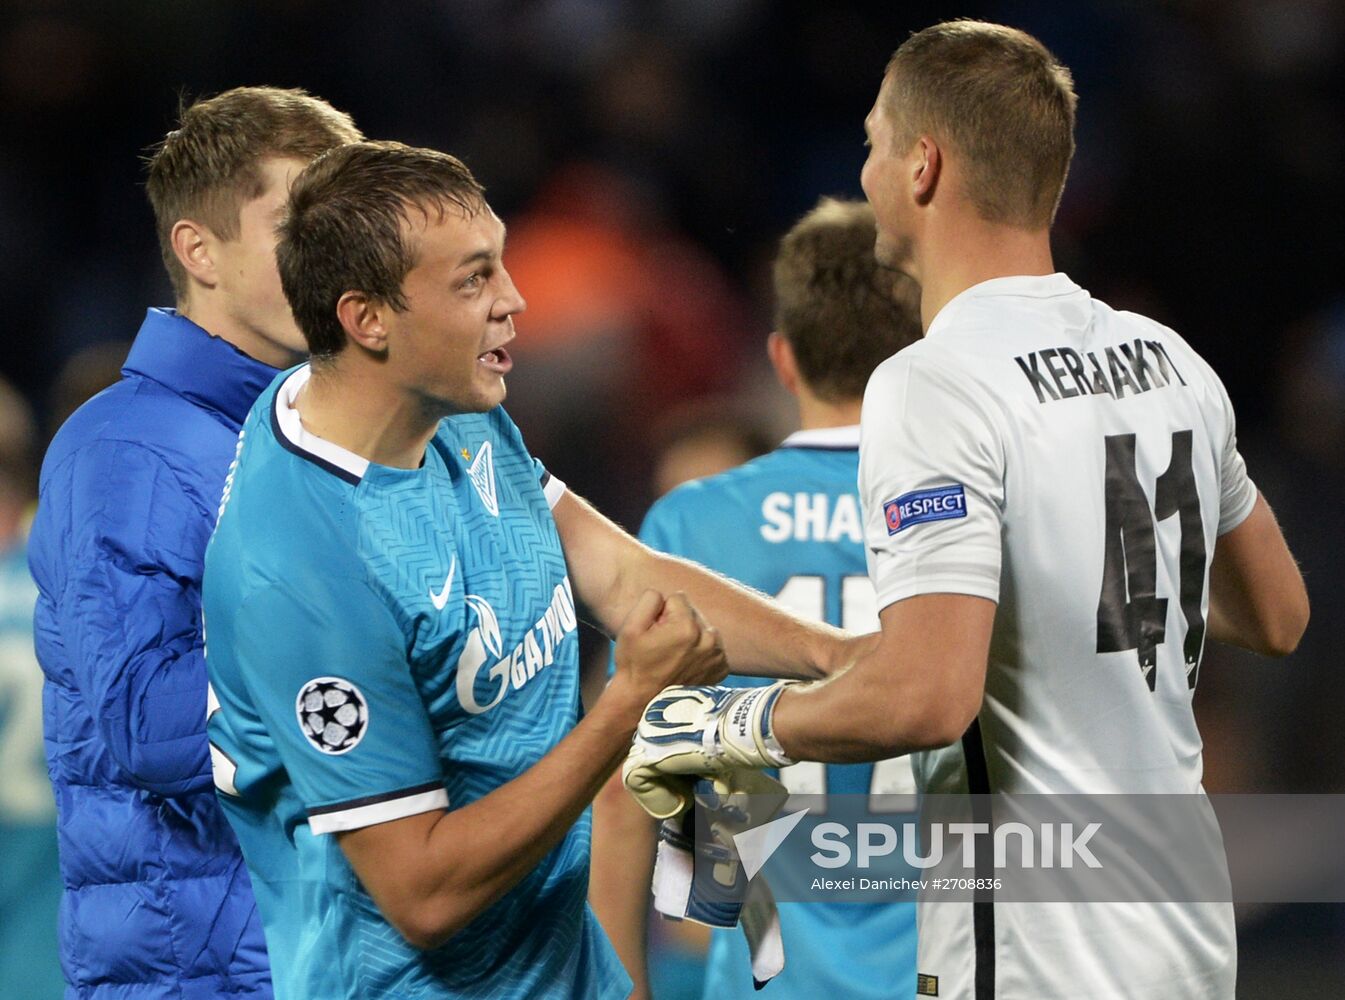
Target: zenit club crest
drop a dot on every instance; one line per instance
(333, 714)
(482, 474)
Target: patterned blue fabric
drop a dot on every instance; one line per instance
(787, 524)
(157, 901)
(451, 627)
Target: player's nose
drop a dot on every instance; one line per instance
(511, 300)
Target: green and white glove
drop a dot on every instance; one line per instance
(690, 732)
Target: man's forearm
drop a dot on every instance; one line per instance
(760, 637)
(624, 839)
(466, 859)
(917, 688)
(1257, 597)
(854, 721)
(610, 569)
(508, 832)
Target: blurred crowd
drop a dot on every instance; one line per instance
(646, 155)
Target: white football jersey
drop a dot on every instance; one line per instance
(1075, 464)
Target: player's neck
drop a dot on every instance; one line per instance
(214, 319)
(816, 414)
(968, 251)
(366, 416)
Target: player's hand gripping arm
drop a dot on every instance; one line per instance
(610, 568)
(1257, 597)
(920, 687)
(431, 874)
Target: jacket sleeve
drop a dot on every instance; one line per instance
(131, 611)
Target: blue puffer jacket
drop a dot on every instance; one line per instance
(157, 901)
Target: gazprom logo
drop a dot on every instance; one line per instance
(485, 643)
(943, 503)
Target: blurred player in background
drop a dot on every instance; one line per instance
(30, 879)
(1051, 486)
(703, 438)
(392, 625)
(157, 900)
(789, 524)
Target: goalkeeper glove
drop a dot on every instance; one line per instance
(692, 731)
(701, 878)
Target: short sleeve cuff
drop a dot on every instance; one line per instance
(1237, 508)
(896, 583)
(552, 488)
(359, 813)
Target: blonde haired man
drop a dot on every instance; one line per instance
(157, 900)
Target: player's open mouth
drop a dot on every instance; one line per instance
(497, 360)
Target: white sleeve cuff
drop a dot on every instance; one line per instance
(1232, 514)
(553, 489)
(938, 585)
(360, 813)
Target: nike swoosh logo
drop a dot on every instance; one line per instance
(440, 600)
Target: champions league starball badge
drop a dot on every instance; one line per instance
(333, 714)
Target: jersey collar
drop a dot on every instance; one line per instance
(825, 438)
(210, 372)
(1018, 286)
(290, 432)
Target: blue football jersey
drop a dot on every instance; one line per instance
(383, 642)
(789, 524)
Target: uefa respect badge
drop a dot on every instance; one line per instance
(942, 503)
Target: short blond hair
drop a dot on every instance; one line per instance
(209, 166)
(998, 98)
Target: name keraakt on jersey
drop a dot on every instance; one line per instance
(1062, 372)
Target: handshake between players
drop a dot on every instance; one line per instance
(665, 641)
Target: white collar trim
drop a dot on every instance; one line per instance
(824, 437)
(289, 424)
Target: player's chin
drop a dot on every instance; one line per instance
(492, 393)
(480, 396)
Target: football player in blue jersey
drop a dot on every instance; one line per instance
(390, 602)
(788, 524)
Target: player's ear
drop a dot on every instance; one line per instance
(194, 246)
(362, 318)
(926, 165)
(783, 361)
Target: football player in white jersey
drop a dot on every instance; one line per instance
(1056, 517)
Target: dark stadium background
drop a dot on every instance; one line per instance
(647, 154)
